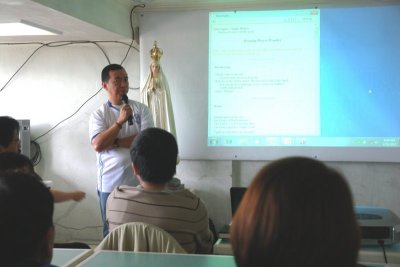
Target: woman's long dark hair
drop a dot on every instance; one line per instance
(296, 212)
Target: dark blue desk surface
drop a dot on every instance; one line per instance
(123, 259)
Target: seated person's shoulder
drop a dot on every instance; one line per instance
(175, 184)
(189, 195)
(126, 189)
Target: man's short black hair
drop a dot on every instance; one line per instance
(8, 126)
(26, 208)
(105, 73)
(154, 155)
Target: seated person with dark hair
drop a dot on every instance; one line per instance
(10, 143)
(15, 162)
(26, 221)
(9, 135)
(179, 212)
(296, 212)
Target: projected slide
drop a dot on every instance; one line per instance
(317, 78)
(263, 76)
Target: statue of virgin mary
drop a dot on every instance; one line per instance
(156, 95)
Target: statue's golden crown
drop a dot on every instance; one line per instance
(156, 52)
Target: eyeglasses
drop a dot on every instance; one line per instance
(118, 81)
(17, 141)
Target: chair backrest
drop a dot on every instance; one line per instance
(140, 237)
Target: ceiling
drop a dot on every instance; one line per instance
(71, 27)
(109, 19)
(164, 5)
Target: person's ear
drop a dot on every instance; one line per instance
(134, 169)
(104, 85)
(136, 173)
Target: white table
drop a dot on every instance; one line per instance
(367, 254)
(150, 259)
(66, 257)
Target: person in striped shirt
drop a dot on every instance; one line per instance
(179, 212)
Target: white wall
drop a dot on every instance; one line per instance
(372, 184)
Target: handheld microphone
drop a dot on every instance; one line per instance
(124, 99)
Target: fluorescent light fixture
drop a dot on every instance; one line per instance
(25, 28)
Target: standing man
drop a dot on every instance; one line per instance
(112, 136)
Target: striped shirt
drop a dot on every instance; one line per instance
(180, 213)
